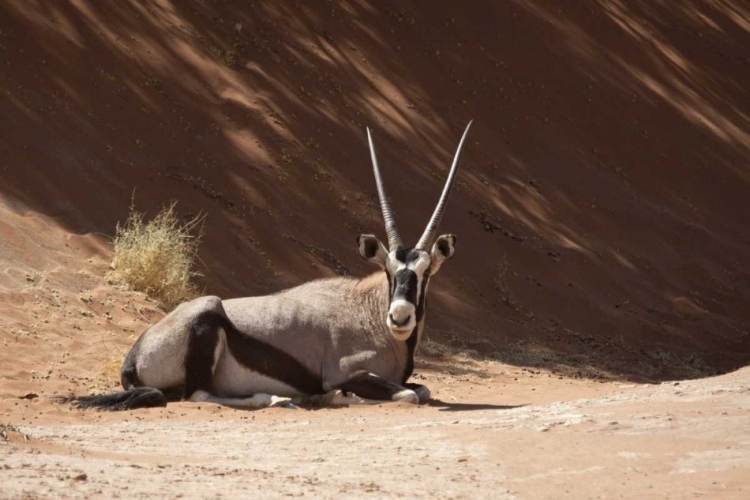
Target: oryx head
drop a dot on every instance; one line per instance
(409, 269)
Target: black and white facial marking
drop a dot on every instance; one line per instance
(409, 272)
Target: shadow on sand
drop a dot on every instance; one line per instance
(445, 406)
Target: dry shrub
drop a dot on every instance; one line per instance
(110, 360)
(156, 257)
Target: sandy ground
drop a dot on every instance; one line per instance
(499, 432)
(492, 431)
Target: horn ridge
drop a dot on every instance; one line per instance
(430, 231)
(394, 239)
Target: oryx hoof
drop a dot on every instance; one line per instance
(282, 402)
(315, 400)
(336, 398)
(423, 393)
(340, 398)
(406, 396)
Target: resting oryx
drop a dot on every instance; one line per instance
(353, 335)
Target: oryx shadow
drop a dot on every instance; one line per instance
(445, 406)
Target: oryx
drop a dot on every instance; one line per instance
(339, 334)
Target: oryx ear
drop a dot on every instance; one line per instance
(442, 250)
(371, 249)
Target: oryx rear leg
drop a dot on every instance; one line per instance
(369, 386)
(206, 345)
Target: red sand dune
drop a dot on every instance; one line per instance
(602, 207)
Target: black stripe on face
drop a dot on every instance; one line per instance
(405, 286)
(411, 342)
(404, 257)
(423, 295)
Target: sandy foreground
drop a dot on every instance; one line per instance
(501, 432)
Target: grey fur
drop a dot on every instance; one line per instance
(334, 327)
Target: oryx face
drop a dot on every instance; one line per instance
(409, 269)
(409, 272)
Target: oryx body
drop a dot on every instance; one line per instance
(354, 335)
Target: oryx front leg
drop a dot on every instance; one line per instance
(370, 386)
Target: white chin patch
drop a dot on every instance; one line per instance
(401, 334)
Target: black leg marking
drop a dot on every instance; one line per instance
(411, 346)
(367, 385)
(199, 362)
(261, 357)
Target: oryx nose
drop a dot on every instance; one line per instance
(401, 322)
(400, 313)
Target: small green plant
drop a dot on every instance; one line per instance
(157, 256)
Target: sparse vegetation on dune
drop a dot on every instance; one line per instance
(157, 256)
(111, 358)
(459, 351)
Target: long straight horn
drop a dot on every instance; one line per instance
(430, 231)
(394, 240)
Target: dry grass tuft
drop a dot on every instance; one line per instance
(458, 352)
(157, 257)
(451, 350)
(111, 361)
